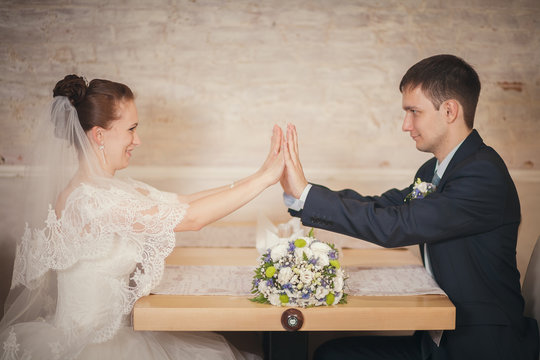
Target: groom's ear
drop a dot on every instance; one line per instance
(451, 109)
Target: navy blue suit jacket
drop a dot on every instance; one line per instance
(469, 224)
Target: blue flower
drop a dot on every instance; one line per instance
(332, 255)
(288, 286)
(291, 246)
(420, 190)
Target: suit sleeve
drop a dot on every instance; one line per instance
(389, 198)
(471, 201)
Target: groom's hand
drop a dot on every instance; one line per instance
(293, 179)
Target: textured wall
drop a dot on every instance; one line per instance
(212, 77)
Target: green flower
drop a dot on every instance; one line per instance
(335, 263)
(270, 271)
(330, 298)
(284, 298)
(300, 243)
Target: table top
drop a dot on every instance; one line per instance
(237, 313)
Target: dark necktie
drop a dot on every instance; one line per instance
(436, 179)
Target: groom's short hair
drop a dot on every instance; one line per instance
(445, 77)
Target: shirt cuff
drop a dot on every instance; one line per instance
(296, 204)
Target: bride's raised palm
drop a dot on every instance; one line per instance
(274, 164)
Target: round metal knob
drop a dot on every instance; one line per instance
(292, 319)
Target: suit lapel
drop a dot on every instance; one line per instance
(427, 170)
(471, 145)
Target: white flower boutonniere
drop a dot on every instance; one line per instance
(420, 190)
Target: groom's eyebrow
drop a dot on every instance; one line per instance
(410, 108)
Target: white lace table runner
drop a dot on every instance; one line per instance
(236, 281)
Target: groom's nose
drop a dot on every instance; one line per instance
(407, 123)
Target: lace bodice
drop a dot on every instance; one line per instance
(108, 249)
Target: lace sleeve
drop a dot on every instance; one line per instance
(140, 215)
(93, 222)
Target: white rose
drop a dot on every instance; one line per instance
(322, 259)
(306, 276)
(321, 292)
(278, 252)
(299, 253)
(263, 288)
(320, 252)
(422, 187)
(320, 247)
(338, 283)
(285, 274)
(274, 299)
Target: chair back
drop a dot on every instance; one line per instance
(531, 285)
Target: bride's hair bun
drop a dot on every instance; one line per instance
(73, 87)
(97, 103)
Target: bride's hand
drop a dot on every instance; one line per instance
(274, 164)
(293, 179)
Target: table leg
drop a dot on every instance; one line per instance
(284, 345)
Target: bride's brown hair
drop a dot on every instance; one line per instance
(96, 102)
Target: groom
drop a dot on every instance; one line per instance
(467, 228)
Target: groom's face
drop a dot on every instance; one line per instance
(425, 124)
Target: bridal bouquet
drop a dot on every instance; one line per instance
(302, 272)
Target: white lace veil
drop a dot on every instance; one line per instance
(60, 147)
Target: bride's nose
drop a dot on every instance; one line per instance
(136, 139)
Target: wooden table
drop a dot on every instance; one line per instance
(236, 313)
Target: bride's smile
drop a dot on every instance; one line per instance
(120, 139)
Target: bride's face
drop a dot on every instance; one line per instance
(121, 138)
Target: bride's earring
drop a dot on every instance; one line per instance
(102, 149)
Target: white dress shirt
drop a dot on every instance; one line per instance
(439, 170)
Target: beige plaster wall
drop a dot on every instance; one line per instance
(212, 77)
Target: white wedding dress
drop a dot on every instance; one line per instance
(105, 251)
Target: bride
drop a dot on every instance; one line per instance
(95, 243)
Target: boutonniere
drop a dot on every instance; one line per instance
(420, 190)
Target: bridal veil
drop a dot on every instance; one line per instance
(59, 146)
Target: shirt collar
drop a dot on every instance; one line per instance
(441, 168)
